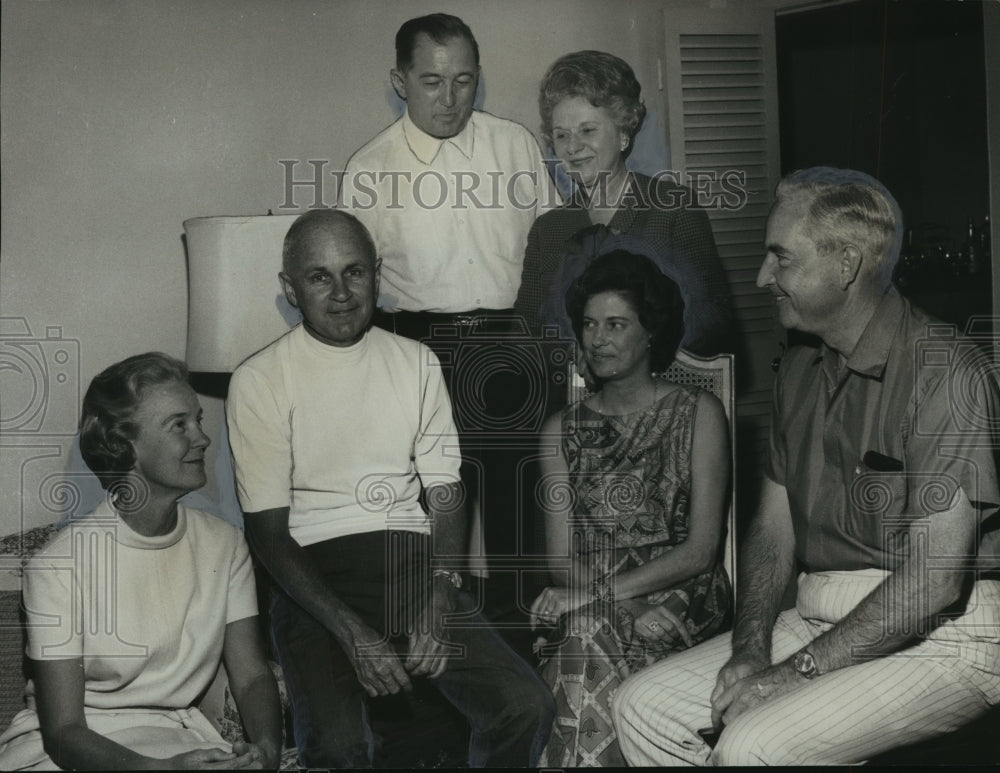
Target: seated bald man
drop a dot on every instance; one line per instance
(337, 428)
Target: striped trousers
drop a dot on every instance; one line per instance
(849, 715)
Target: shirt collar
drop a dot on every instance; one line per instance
(871, 354)
(105, 515)
(425, 147)
(321, 349)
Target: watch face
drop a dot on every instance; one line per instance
(453, 577)
(805, 664)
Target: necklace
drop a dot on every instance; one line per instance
(599, 403)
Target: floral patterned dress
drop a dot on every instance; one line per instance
(631, 480)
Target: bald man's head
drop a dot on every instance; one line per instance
(320, 225)
(330, 273)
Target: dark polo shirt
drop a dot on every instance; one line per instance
(884, 440)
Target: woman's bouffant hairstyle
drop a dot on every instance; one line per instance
(602, 79)
(106, 426)
(655, 297)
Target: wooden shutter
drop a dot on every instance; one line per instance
(722, 99)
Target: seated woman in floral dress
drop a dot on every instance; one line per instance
(634, 486)
(131, 608)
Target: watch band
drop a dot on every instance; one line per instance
(602, 589)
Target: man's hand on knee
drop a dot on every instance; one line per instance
(737, 668)
(377, 665)
(752, 690)
(429, 648)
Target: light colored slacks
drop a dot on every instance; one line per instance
(845, 716)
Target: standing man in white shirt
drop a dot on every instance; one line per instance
(449, 194)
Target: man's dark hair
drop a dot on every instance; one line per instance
(439, 27)
(655, 298)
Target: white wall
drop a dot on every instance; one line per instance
(122, 118)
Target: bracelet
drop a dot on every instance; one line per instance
(602, 589)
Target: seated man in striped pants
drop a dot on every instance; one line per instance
(881, 483)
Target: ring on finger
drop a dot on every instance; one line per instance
(655, 626)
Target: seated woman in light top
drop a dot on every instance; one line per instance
(131, 608)
(634, 498)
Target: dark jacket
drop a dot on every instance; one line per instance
(656, 216)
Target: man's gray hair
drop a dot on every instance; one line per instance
(850, 207)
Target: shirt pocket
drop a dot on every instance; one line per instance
(877, 506)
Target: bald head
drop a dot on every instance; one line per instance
(319, 227)
(330, 273)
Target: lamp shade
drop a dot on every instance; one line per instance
(235, 302)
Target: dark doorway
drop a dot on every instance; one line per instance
(898, 90)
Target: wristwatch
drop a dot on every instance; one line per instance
(453, 577)
(805, 664)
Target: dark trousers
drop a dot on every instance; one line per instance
(502, 383)
(383, 577)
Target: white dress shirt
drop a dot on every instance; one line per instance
(450, 218)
